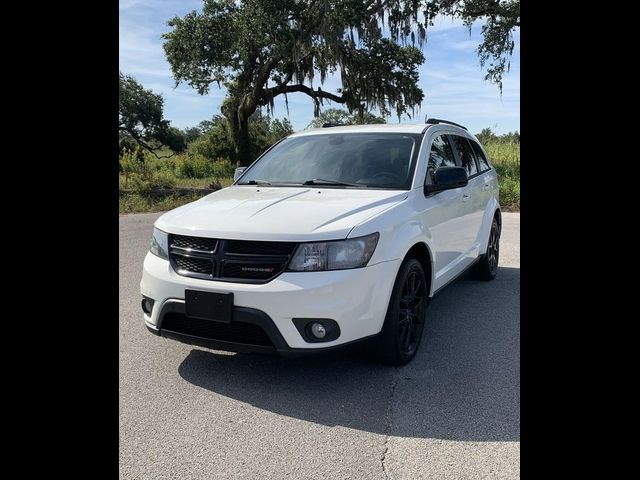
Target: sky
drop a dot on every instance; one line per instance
(451, 78)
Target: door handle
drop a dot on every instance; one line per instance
(465, 197)
(486, 186)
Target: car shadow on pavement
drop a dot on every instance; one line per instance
(464, 384)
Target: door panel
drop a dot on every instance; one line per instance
(473, 205)
(444, 215)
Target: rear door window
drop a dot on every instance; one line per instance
(466, 154)
(441, 155)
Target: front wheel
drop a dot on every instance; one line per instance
(402, 330)
(487, 267)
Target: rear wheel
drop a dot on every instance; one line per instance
(401, 333)
(487, 267)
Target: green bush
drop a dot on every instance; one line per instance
(191, 166)
(223, 168)
(145, 184)
(197, 166)
(509, 192)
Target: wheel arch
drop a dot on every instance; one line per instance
(498, 216)
(421, 252)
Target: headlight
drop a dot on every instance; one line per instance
(160, 244)
(337, 255)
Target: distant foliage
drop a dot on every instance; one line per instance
(336, 115)
(197, 166)
(486, 136)
(216, 138)
(191, 134)
(174, 138)
(213, 143)
(141, 119)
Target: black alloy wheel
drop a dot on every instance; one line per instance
(487, 266)
(401, 333)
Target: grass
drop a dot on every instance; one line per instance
(505, 157)
(188, 182)
(139, 203)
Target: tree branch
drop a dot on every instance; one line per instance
(144, 144)
(315, 94)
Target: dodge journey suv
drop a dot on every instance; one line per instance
(333, 236)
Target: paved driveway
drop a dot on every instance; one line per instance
(453, 412)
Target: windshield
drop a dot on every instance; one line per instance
(346, 160)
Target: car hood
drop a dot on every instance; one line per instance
(278, 213)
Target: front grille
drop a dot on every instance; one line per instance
(237, 332)
(241, 261)
(196, 243)
(196, 265)
(244, 247)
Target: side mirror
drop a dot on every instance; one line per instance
(238, 173)
(447, 178)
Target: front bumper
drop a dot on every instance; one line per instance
(356, 299)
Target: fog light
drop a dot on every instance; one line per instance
(147, 305)
(318, 330)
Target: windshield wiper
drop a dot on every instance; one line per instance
(322, 181)
(255, 182)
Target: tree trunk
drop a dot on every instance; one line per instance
(240, 137)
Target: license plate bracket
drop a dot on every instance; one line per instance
(214, 306)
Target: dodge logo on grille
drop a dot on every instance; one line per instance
(258, 269)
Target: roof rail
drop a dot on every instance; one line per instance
(329, 124)
(439, 120)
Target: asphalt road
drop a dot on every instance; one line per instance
(453, 412)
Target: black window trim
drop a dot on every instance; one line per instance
(459, 159)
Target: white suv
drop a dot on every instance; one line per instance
(333, 236)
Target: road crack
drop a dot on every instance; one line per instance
(387, 425)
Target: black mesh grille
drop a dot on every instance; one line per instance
(260, 271)
(237, 332)
(196, 265)
(217, 259)
(199, 243)
(260, 248)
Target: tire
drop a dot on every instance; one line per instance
(401, 333)
(487, 267)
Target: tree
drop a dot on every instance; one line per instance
(501, 17)
(207, 125)
(174, 138)
(216, 140)
(486, 135)
(511, 137)
(191, 134)
(280, 129)
(259, 49)
(336, 115)
(140, 118)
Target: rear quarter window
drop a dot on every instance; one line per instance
(483, 163)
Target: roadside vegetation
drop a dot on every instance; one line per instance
(504, 155)
(202, 164)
